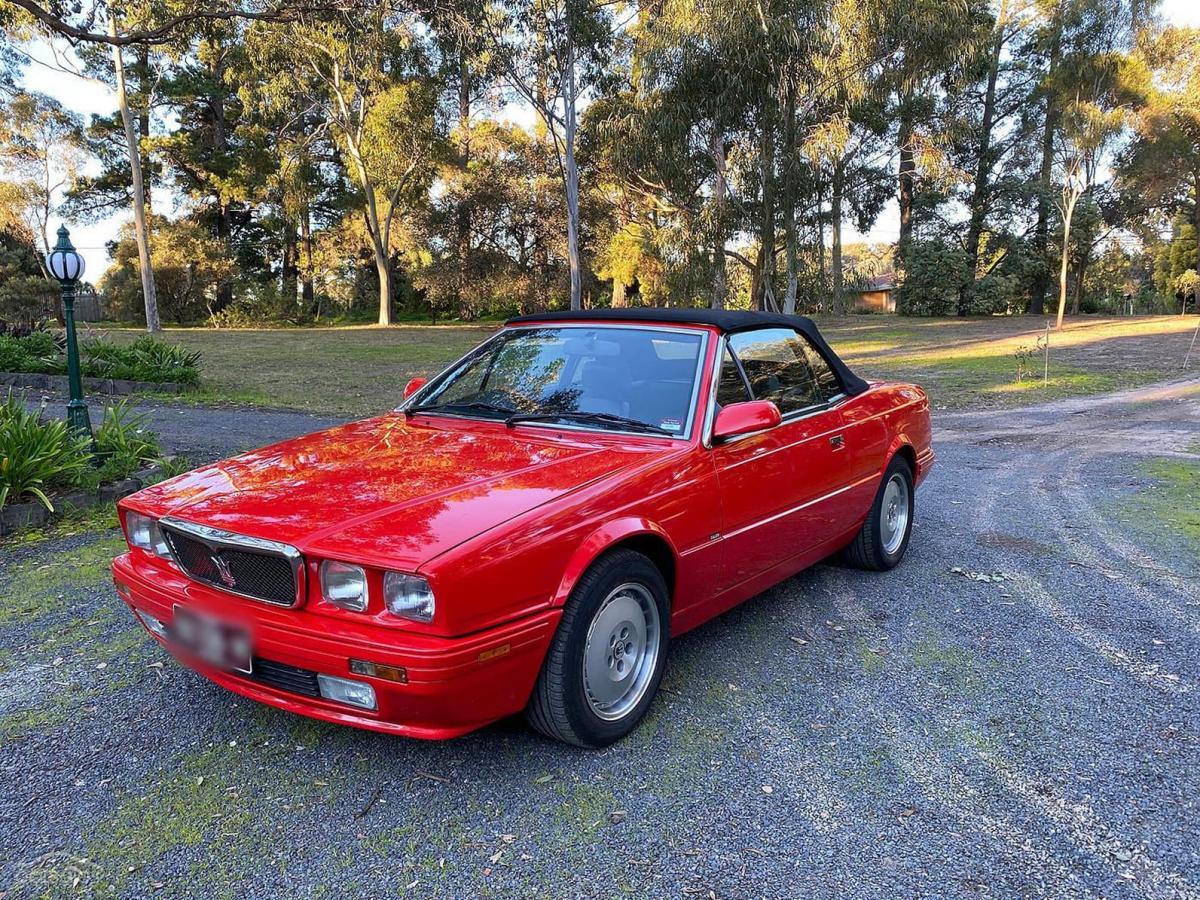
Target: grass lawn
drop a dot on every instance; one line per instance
(963, 363)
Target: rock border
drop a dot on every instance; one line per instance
(33, 514)
(108, 386)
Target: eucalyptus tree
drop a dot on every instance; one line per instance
(997, 135)
(1082, 47)
(41, 154)
(136, 24)
(469, 74)
(936, 40)
(552, 55)
(659, 144)
(366, 75)
(1160, 169)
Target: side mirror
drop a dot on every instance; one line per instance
(413, 386)
(745, 418)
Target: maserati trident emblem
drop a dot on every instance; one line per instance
(223, 570)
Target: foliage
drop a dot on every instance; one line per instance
(124, 433)
(190, 266)
(145, 359)
(474, 157)
(931, 284)
(41, 153)
(36, 455)
(35, 352)
(123, 444)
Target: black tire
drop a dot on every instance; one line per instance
(559, 707)
(867, 550)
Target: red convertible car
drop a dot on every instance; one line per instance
(530, 528)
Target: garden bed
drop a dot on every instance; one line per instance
(45, 467)
(34, 514)
(38, 359)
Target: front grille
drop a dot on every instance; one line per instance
(259, 574)
(285, 678)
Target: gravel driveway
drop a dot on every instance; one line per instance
(1013, 711)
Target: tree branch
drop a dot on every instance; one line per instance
(280, 12)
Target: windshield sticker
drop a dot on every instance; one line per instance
(670, 425)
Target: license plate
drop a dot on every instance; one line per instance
(220, 644)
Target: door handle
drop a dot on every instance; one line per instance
(837, 442)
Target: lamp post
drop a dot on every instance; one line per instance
(67, 266)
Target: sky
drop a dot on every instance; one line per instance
(88, 98)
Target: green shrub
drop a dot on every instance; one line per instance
(993, 293)
(42, 343)
(36, 456)
(35, 353)
(146, 359)
(124, 443)
(935, 273)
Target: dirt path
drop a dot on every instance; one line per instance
(1014, 711)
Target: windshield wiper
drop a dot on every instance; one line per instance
(468, 406)
(596, 417)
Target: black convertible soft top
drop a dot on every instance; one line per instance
(727, 320)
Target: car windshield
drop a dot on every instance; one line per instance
(609, 377)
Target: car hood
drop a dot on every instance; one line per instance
(388, 491)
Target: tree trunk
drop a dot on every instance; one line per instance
(983, 168)
(619, 300)
(821, 233)
(289, 273)
(789, 203)
(1080, 274)
(766, 225)
(1068, 213)
(306, 281)
(463, 225)
(907, 173)
(383, 267)
(793, 277)
(835, 221)
(720, 284)
(572, 172)
(141, 233)
(1041, 284)
(220, 147)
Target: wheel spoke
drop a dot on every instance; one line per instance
(621, 651)
(895, 512)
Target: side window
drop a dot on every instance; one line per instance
(776, 364)
(828, 385)
(730, 387)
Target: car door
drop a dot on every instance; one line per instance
(778, 487)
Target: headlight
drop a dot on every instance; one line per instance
(344, 585)
(145, 534)
(408, 595)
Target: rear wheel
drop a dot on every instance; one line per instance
(881, 542)
(607, 657)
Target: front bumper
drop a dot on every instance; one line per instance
(455, 685)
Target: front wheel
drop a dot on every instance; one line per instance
(607, 657)
(881, 542)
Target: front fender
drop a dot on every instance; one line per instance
(606, 536)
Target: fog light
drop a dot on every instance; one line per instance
(343, 690)
(375, 670)
(156, 627)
